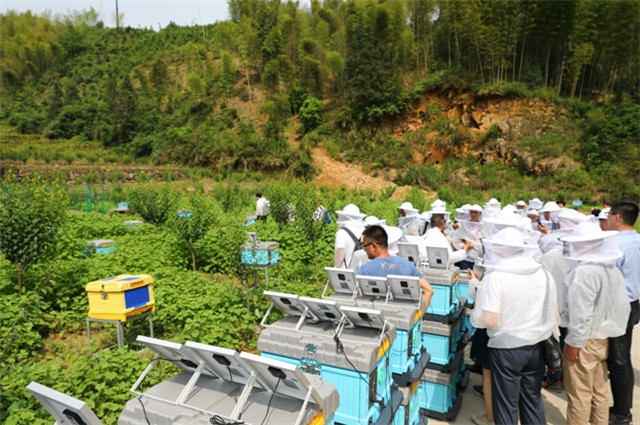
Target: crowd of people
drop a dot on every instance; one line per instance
(537, 271)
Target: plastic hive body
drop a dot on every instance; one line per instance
(445, 298)
(101, 246)
(409, 411)
(313, 349)
(133, 224)
(120, 297)
(260, 253)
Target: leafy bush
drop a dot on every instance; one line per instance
(311, 114)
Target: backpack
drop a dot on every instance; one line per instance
(266, 209)
(359, 243)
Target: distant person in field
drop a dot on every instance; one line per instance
(262, 207)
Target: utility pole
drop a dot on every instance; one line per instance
(117, 16)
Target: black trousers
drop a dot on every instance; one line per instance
(516, 382)
(620, 368)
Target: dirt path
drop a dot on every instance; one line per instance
(334, 174)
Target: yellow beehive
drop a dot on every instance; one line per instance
(120, 297)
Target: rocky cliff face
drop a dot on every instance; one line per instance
(459, 123)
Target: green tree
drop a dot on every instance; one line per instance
(311, 114)
(154, 203)
(31, 213)
(194, 220)
(55, 101)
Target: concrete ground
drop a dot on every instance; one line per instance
(555, 401)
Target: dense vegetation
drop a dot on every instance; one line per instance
(227, 96)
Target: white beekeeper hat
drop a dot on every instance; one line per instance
(535, 203)
(350, 212)
(589, 243)
(604, 213)
(475, 207)
(493, 202)
(568, 218)
(394, 234)
(521, 203)
(551, 207)
(438, 204)
(507, 251)
(408, 207)
(533, 213)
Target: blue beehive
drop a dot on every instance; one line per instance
(406, 350)
(463, 286)
(445, 299)
(354, 359)
(99, 246)
(260, 253)
(122, 206)
(133, 224)
(184, 212)
(438, 394)
(441, 340)
(409, 411)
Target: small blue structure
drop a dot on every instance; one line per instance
(99, 246)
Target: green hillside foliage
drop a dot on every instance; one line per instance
(225, 96)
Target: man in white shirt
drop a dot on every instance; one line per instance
(596, 309)
(262, 207)
(516, 302)
(435, 237)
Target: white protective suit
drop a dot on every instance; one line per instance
(596, 303)
(516, 300)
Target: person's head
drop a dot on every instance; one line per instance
(375, 240)
(533, 215)
(521, 205)
(475, 211)
(622, 215)
(602, 219)
(258, 195)
(319, 203)
(438, 221)
(561, 203)
(605, 203)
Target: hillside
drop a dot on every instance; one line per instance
(266, 94)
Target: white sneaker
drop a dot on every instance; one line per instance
(480, 419)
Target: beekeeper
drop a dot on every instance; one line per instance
(549, 217)
(516, 303)
(596, 308)
(567, 219)
(470, 231)
(350, 227)
(407, 219)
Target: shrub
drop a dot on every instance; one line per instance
(311, 114)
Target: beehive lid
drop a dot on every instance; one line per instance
(101, 242)
(119, 283)
(133, 222)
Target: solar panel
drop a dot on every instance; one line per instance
(288, 303)
(343, 281)
(222, 362)
(65, 409)
(373, 286)
(438, 257)
(171, 351)
(405, 287)
(282, 378)
(364, 317)
(409, 251)
(323, 309)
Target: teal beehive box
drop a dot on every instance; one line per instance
(100, 246)
(133, 224)
(260, 253)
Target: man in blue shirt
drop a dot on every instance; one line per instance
(622, 217)
(382, 263)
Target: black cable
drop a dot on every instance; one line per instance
(144, 410)
(219, 420)
(271, 398)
